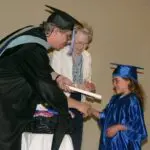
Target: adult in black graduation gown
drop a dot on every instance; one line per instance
(26, 77)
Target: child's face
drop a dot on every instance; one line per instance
(120, 85)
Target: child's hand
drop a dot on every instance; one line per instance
(112, 131)
(93, 112)
(84, 108)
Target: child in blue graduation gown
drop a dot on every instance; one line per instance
(122, 121)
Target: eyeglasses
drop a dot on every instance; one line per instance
(82, 44)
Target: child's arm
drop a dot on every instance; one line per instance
(112, 131)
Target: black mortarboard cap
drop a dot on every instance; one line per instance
(61, 19)
(126, 71)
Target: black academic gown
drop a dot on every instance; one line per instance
(25, 80)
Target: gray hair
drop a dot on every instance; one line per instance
(86, 29)
(47, 27)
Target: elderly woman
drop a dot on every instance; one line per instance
(74, 62)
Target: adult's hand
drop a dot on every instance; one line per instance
(84, 108)
(89, 86)
(94, 113)
(63, 82)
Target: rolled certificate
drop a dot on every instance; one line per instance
(97, 96)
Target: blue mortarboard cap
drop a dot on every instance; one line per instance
(126, 71)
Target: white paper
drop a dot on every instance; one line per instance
(97, 96)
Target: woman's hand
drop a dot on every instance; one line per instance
(90, 86)
(87, 86)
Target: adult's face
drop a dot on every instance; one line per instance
(81, 42)
(59, 38)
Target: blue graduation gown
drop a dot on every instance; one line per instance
(126, 111)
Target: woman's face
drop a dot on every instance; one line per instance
(81, 42)
(120, 85)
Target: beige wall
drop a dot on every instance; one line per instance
(121, 34)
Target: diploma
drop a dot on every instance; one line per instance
(97, 96)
